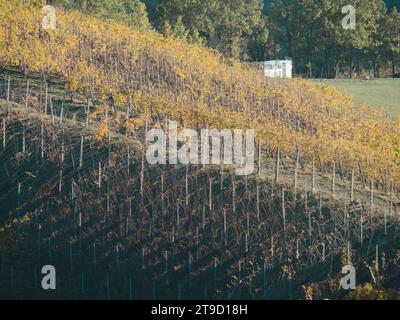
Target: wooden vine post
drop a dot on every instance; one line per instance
(296, 172)
(277, 164)
(283, 210)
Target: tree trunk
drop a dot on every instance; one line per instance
(326, 64)
(374, 67)
(393, 66)
(337, 68)
(351, 63)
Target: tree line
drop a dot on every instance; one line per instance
(311, 32)
(308, 31)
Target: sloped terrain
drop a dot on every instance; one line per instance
(77, 192)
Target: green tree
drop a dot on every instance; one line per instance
(298, 25)
(366, 36)
(236, 23)
(179, 30)
(132, 12)
(194, 15)
(311, 32)
(392, 43)
(230, 26)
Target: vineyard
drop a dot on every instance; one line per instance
(78, 193)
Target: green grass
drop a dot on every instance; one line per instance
(381, 93)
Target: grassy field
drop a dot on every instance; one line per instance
(384, 93)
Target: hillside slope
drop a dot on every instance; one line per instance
(77, 192)
(155, 74)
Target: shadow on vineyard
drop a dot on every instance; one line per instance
(115, 227)
(78, 193)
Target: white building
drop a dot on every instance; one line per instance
(278, 69)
